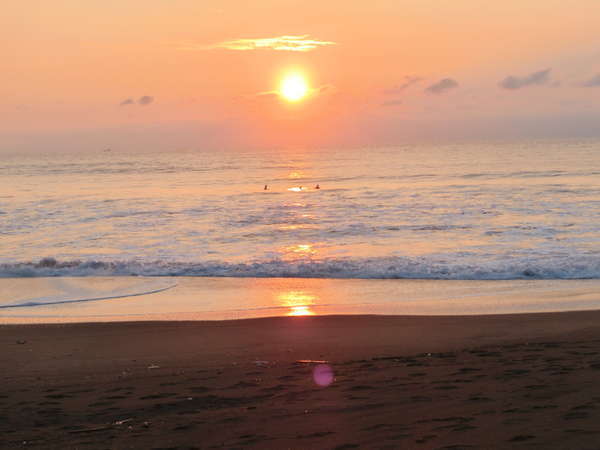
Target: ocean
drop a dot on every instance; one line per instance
(527, 210)
(480, 211)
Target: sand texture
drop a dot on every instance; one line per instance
(514, 381)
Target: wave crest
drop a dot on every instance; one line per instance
(566, 267)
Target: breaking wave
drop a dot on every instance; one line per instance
(530, 267)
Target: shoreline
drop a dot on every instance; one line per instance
(65, 299)
(224, 322)
(493, 381)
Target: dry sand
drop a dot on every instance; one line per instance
(512, 381)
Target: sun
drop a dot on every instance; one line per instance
(293, 87)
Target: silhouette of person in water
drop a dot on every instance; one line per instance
(266, 187)
(317, 187)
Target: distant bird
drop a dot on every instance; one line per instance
(266, 187)
(317, 187)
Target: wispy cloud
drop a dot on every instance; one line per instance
(142, 101)
(265, 95)
(324, 89)
(512, 82)
(442, 86)
(592, 82)
(282, 43)
(398, 89)
(145, 100)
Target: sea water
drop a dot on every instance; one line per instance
(478, 211)
(472, 211)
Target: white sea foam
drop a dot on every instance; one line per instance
(383, 268)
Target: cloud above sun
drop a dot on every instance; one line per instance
(281, 43)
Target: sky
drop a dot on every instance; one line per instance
(170, 74)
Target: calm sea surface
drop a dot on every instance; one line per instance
(479, 211)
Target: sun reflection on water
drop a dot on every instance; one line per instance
(298, 252)
(300, 311)
(301, 226)
(298, 302)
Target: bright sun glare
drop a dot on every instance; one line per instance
(293, 87)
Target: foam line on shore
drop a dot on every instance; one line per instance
(45, 301)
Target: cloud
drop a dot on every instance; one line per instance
(281, 43)
(536, 78)
(442, 86)
(267, 94)
(408, 81)
(142, 101)
(592, 82)
(324, 89)
(145, 100)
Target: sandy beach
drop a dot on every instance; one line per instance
(504, 381)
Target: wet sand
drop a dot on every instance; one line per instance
(506, 381)
(126, 299)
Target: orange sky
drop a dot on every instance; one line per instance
(68, 66)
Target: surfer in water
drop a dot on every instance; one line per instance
(266, 187)
(317, 187)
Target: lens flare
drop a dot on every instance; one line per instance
(323, 375)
